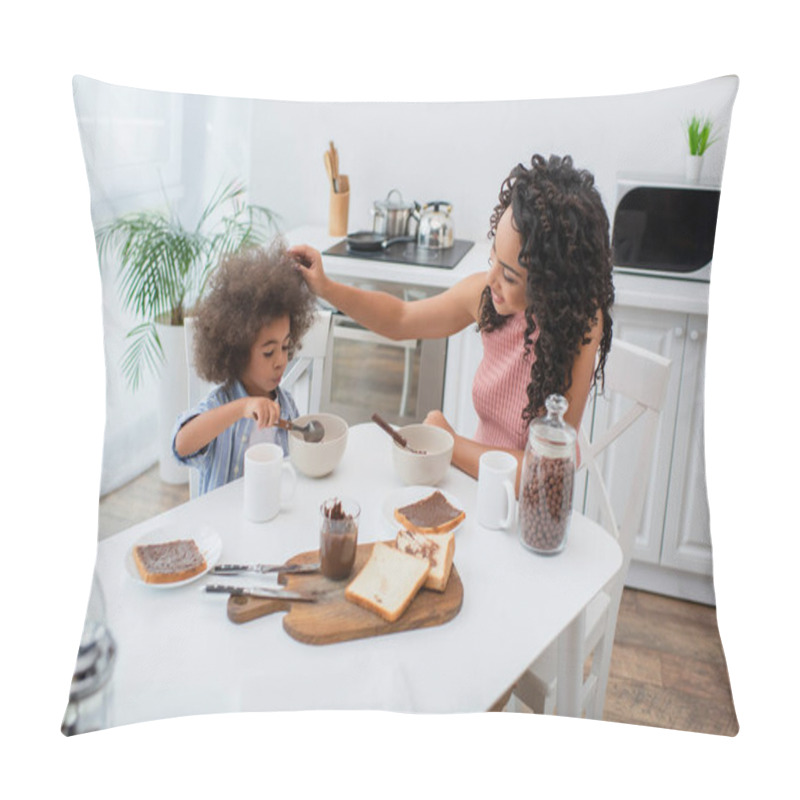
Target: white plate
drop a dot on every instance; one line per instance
(207, 540)
(410, 494)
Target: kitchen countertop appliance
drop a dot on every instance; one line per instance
(408, 253)
(664, 226)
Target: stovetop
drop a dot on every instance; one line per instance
(408, 253)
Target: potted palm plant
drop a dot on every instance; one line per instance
(699, 138)
(162, 270)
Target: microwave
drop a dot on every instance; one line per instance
(664, 226)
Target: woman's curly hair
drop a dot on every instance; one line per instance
(564, 230)
(248, 290)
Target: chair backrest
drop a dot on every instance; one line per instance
(198, 389)
(309, 361)
(642, 377)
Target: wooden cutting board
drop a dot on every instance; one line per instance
(333, 618)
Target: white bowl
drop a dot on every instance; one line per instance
(428, 468)
(316, 459)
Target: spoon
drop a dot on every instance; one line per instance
(312, 431)
(394, 434)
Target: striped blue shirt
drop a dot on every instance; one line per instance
(222, 460)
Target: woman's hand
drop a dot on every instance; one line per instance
(467, 452)
(438, 419)
(266, 412)
(309, 265)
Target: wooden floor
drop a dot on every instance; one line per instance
(667, 667)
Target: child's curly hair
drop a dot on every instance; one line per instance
(247, 291)
(564, 231)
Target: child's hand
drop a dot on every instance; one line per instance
(266, 412)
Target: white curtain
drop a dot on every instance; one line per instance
(144, 150)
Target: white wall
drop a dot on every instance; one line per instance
(461, 152)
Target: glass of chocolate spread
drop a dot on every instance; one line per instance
(338, 537)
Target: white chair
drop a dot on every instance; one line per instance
(642, 378)
(304, 372)
(308, 363)
(198, 388)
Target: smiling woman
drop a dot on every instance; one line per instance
(542, 308)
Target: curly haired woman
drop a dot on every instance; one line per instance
(246, 330)
(542, 308)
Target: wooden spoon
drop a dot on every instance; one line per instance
(329, 169)
(335, 167)
(334, 160)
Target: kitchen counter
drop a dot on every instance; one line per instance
(345, 268)
(643, 291)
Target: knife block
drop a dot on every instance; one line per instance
(339, 208)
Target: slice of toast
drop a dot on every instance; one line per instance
(431, 514)
(437, 548)
(388, 582)
(169, 562)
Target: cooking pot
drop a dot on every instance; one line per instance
(435, 229)
(393, 216)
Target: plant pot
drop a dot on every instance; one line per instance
(694, 164)
(173, 398)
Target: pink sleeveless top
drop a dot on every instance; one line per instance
(499, 391)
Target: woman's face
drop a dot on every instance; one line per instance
(507, 277)
(269, 355)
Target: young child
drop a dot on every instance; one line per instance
(246, 330)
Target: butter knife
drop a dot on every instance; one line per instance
(263, 569)
(262, 591)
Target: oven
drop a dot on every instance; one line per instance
(366, 373)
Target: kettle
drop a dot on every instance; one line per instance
(435, 229)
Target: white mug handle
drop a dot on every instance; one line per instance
(288, 469)
(511, 500)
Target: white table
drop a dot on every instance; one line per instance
(178, 654)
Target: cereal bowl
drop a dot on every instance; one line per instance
(316, 459)
(428, 467)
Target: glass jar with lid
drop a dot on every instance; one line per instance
(89, 703)
(547, 480)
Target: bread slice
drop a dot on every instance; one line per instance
(169, 562)
(432, 514)
(437, 548)
(388, 582)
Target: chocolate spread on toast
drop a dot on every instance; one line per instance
(430, 512)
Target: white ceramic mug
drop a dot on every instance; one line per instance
(497, 473)
(264, 471)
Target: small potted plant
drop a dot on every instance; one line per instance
(699, 137)
(163, 268)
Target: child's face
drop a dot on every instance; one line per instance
(269, 356)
